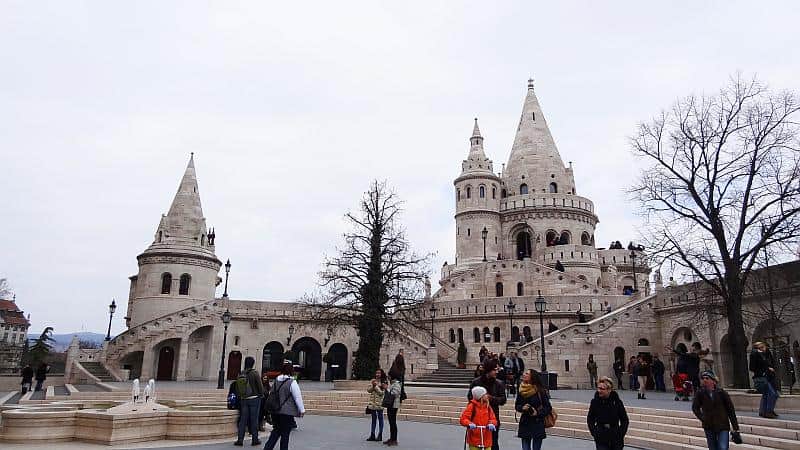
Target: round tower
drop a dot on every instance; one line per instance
(477, 192)
(179, 269)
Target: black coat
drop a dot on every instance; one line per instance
(760, 363)
(495, 388)
(532, 427)
(27, 375)
(41, 373)
(658, 367)
(608, 420)
(716, 412)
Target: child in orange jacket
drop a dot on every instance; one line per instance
(479, 414)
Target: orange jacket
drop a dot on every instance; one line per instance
(482, 415)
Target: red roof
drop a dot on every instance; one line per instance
(11, 313)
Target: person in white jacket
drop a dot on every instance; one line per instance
(291, 405)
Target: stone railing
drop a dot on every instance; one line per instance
(547, 200)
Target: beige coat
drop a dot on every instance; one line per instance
(375, 397)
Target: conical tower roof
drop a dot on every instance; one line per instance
(476, 159)
(534, 158)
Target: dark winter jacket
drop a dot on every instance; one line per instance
(608, 420)
(658, 367)
(760, 363)
(715, 410)
(619, 367)
(532, 426)
(495, 388)
(27, 375)
(41, 372)
(643, 369)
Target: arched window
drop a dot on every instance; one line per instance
(585, 239)
(487, 335)
(184, 286)
(458, 195)
(553, 188)
(476, 334)
(564, 239)
(515, 334)
(469, 192)
(551, 238)
(523, 245)
(523, 189)
(643, 342)
(481, 192)
(452, 336)
(496, 334)
(460, 335)
(494, 192)
(520, 289)
(498, 290)
(503, 193)
(526, 333)
(166, 283)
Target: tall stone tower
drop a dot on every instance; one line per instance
(477, 204)
(179, 268)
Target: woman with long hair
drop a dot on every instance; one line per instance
(391, 411)
(533, 403)
(291, 405)
(376, 390)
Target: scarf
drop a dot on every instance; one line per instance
(527, 390)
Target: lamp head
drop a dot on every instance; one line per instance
(112, 307)
(226, 317)
(228, 266)
(540, 303)
(511, 305)
(291, 330)
(484, 233)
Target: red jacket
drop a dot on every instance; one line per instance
(482, 415)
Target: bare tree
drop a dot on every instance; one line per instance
(375, 281)
(722, 185)
(5, 289)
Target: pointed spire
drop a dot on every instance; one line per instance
(184, 221)
(476, 132)
(476, 160)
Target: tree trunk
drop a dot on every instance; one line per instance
(736, 335)
(369, 346)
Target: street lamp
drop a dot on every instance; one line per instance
(227, 271)
(111, 308)
(633, 262)
(432, 310)
(484, 233)
(511, 306)
(226, 319)
(541, 307)
(291, 332)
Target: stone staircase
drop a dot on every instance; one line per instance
(657, 429)
(446, 376)
(98, 370)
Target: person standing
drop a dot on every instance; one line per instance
(395, 389)
(291, 405)
(533, 403)
(496, 390)
(632, 380)
(263, 413)
(250, 391)
(607, 419)
(714, 408)
(27, 378)
(41, 375)
(642, 374)
(478, 413)
(399, 365)
(591, 366)
(619, 368)
(763, 367)
(658, 374)
(376, 390)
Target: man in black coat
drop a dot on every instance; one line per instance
(496, 390)
(658, 374)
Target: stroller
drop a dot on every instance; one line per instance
(683, 386)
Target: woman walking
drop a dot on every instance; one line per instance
(376, 392)
(533, 402)
(607, 418)
(291, 406)
(391, 411)
(643, 375)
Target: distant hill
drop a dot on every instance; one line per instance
(63, 340)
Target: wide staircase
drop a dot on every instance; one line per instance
(97, 369)
(659, 429)
(446, 376)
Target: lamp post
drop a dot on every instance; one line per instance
(541, 306)
(226, 319)
(484, 234)
(291, 332)
(633, 263)
(432, 310)
(227, 272)
(111, 308)
(511, 306)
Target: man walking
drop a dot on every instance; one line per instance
(496, 391)
(658, 374)
(632, 373)
(714, 408)
(250, 390)
(619, 367)
(591, 366)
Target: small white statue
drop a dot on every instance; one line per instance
(136, 390)
(150, 390)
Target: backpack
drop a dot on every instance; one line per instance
(233, 398)
(273, 403)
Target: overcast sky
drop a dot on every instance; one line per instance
(292, 108)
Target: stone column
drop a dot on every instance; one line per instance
(148, 363)
(183, 358)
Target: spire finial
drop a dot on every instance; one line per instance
(530, 83)
(476, 132)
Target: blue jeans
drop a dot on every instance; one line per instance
(717, 440)
(377, 416)
(768, 400)
(634, 383)
(659, 379)
(249, 418)
(531, 444)
(281, 427)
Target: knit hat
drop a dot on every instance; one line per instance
(478, 392)
(709, 374)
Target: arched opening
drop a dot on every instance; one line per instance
(494, 192)
(523, 245)
(503, 193)
(498, 289)
(481, 192)
(682, 339)
(166, 361)
(184, 285)
(553, 188)
(523, 189)
(458, 194)
(526, 334)
(460, 336)
(515, 334)
(551, 238)
(452, 336)
(234, 364)
(496, 334)
(166, 283)
(133, 363)
(520, 289)
(619, 355)
(643, 343)
(198, 358)
(476, 335)
(469, 192)
(309, 358)
(487, 335)
(586, 239)
(272, 358)
(337, 361)
(565, 238)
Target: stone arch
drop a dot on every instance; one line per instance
(553, 187)
(185, 283)
(338, 361)
(482, 191)
(520, 289)
(476, 334)
(496, 334)
(643, 342)
(166, 283)
(619, 354)
(521, 237)
(469, 191)
(234, 364)
(309, 358)
(487, 335)
(272, 357)
(452, 334)
(460, 336)
(166, 359)
(586, 239)
(526, 334)
(498, 289)
(565, 238)
(551, 238)
(198, 359)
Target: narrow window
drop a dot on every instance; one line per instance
(533, 116)
(468, 232)
(482, 192)
(184, 286)
(553, 188)
(452, 336)
(503, 193)
(166, 283)
(476, 335)
(520, 289)
(498, 290)
(497, 334)
(494, 192)
(487, 335)
(469, 192)
(523, 189)
(458, 195)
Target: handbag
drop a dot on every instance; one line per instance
(550, 419)
(388, 400)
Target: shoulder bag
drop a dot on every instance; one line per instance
(550, 419)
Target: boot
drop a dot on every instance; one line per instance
(371, 438)
(380, 436)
